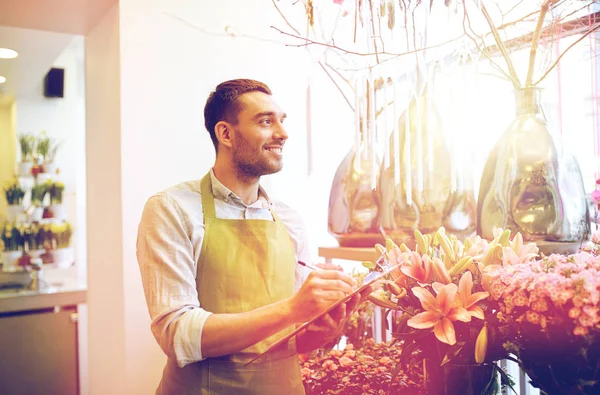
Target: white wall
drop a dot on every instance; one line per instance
(105, 240)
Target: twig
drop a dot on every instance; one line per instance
(373, 37)
(511, 68)
(227, 33)
(336, 85)
(534, 42)
(284, 18)
(564, 52)
(349, 52)
(339, 74)
(467, 21)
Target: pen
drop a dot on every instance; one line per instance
(308, 265)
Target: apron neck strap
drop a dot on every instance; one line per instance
(208, 200)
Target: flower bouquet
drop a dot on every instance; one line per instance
(368, 370)
(441, 310)
(551, 306)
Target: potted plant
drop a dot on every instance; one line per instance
(442, 312)
(38, 192)
(57, 207)
(553, 300)
(14, 197)
(27, 145)
(61, 241)
(46, 148)
(12, 247)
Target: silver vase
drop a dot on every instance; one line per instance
(420, 196)
(531, 185)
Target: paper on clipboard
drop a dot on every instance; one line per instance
(375, 276)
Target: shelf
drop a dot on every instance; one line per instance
(349, 253)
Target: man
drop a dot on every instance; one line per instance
(219, 262)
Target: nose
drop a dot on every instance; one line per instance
(280, 132)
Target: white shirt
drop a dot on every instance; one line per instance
(169, 241)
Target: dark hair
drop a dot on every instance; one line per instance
(223, 103)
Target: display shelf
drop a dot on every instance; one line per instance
(349, 254)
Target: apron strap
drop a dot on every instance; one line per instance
(208, 201)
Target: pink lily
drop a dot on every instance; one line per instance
(469, 300)
(516, 252)
(439, 312)
(417, 267)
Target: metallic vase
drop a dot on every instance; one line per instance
(353, 202)
(416, 189)
(531, 185)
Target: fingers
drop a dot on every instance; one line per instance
(334, 278)
(329, 266)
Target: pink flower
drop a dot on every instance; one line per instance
(596, 195)
(439, 312)
(417, 267)
(516, 252)
(345, 361)
(469, 300)
(596, 236)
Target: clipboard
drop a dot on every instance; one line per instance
(375, 276)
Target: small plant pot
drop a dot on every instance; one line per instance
(13, 212)
(49, 168)
(25, 169)
(37, 214)
(64, 257)
(10, 261)
(59, 211)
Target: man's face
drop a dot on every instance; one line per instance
(259, 136)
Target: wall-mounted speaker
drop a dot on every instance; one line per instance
(54, 83)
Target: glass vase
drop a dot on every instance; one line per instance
(354, 202)
(416, 188)
(452, 379)
(530, 184)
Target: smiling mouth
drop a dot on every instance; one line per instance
(277, 150)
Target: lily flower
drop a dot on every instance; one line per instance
(516, 252)
(469, 300)
(418, 267)
(439, 312)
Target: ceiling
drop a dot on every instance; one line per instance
(62, 16)
(39, 30)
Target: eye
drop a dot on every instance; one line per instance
(266, 121)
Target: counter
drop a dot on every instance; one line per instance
(67, 293)
(39, 338)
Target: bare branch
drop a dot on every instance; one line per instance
(349, 52)
(373, 36)
(336, 85)
(467, 22)
(534, 42)
(284, 18)
(500, 43)
(564, 52)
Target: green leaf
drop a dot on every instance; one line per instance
(452, 352)
(505, 378)
(369, 265)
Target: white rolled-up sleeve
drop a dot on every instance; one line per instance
(165, 255)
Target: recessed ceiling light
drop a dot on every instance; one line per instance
(2, 79)
(6, 53)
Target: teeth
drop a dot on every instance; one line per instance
(278, 150)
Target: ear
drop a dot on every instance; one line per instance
(224, 133)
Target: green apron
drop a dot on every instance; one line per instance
(244, 264)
